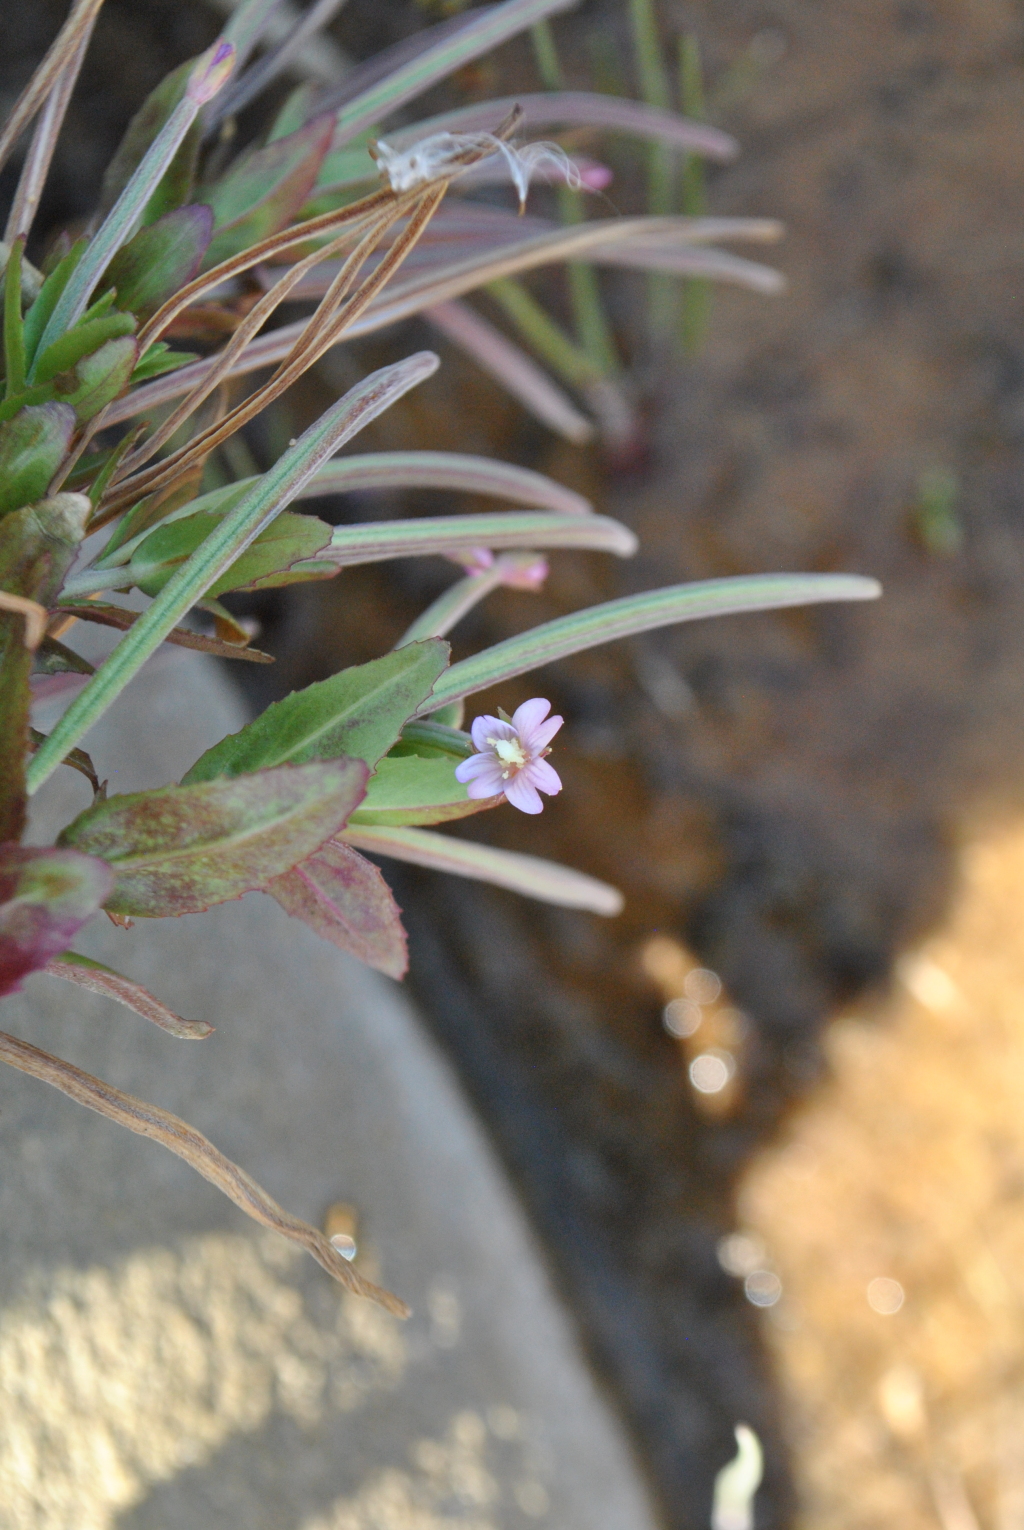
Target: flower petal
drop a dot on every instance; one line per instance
(542, 736)
(482, 728)
(540, 775)
(522, 795)
(485, 764)
(528, 717)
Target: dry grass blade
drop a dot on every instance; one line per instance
(44, 142)
(267, 249)
(197, 1151)
(35, 615)
(316, 337)
(111, 985)
(246, 331)
(608, 241)
(120, 618)
(62, 50)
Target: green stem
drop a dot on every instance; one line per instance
(571, 361)
(662, 291)
(696, 307)
(589, 317)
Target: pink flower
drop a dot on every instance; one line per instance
(510, 757)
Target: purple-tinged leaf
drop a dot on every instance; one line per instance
(263, 190)
(160, 259)
(525, 874)
(578, 108)
(376, 541)
(176, 185)
(408, 68)
(32, 447)
(409, 789)
(510, 366)
(345, 900)
(445, 470)
(103, 377)
(181, 849)
(358, 712)
(45, 898)
(112, 985)
(265, 564)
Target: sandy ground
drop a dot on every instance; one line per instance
(905, 1174)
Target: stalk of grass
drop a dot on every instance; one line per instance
(592, 327)
(662, 293)
(696, 304)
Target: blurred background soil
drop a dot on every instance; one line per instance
(787, 796)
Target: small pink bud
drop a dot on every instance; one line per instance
(594, 176)
(519, 574)
(211, 73)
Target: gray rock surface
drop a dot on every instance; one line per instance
(166, 1365)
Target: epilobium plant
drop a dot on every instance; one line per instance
(112, 481)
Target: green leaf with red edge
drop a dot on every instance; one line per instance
(102, 377)
(265, 188)
(344, 898)
(407, 789)
(266, 563)
(359, 712)
(181, 849)
(32, 447)
(45, 898)
(177, 181)
(160, 259)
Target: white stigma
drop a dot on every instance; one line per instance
(509, 751)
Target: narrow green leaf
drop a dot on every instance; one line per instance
(159, 358)
(374, 541)
(78, 342)
(456, 43)
(102, 377)
(297, 110)
(32, 447)
(45, 898)
(267, 563)
(223, 546)
(410, 789)
(345, 900)
(181, 849)
(641, 613)
(445, 470)
(265, 189)
(358, 712)
(143, 128)
(208, 76)
(525, 874)
(160, 259)
(38, 315)
(14, 325)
